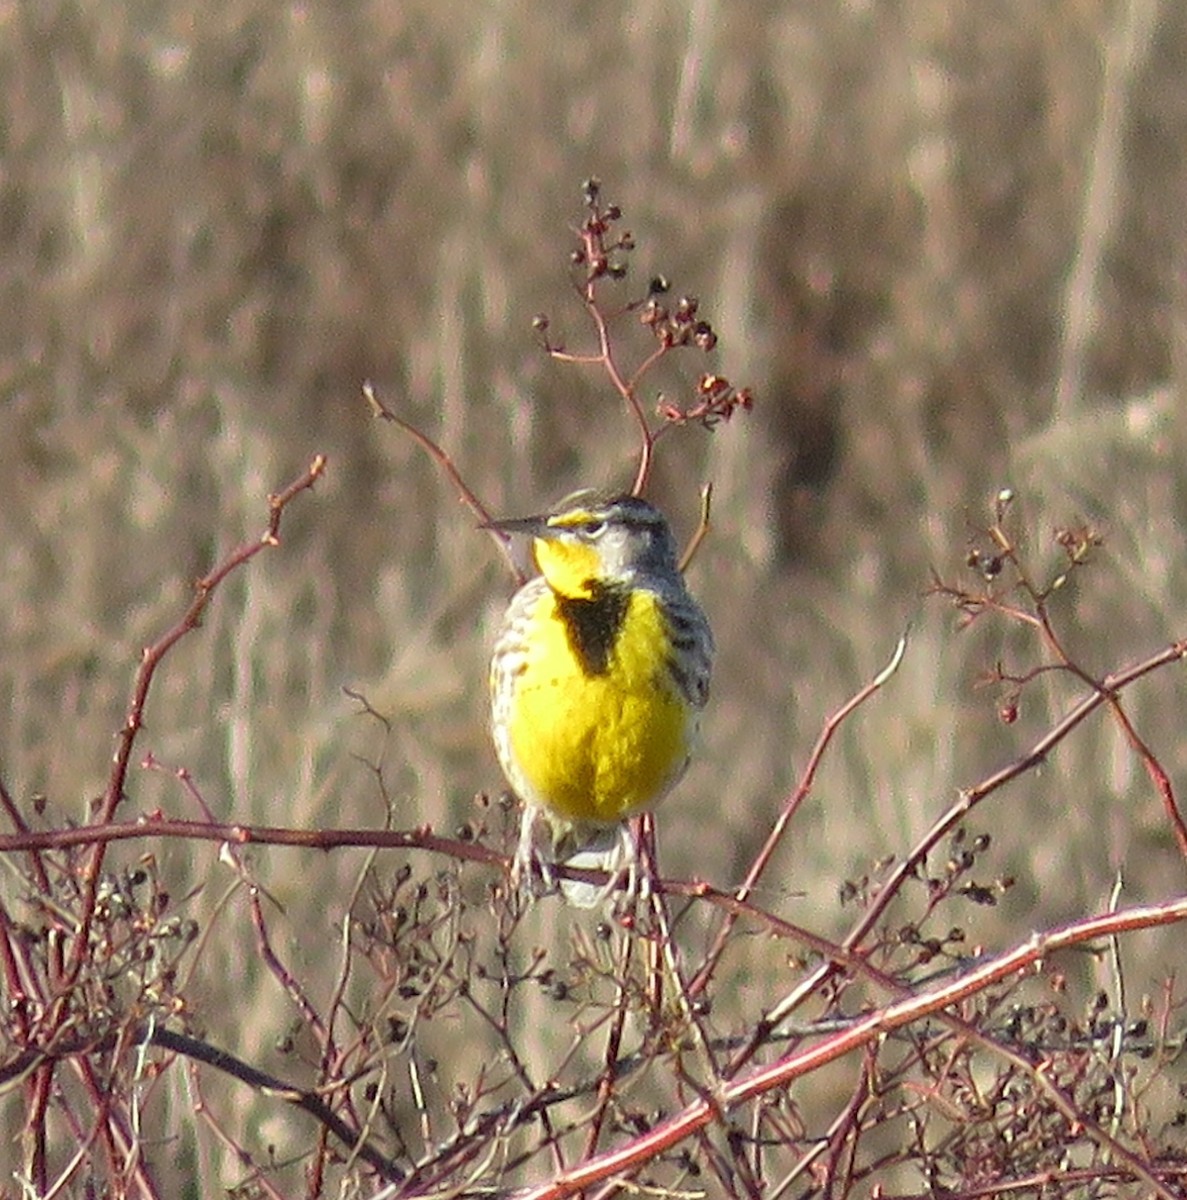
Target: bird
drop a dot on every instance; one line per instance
(599, 674)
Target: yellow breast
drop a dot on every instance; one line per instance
(596, 747)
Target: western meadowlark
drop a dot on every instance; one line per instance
(598, 678)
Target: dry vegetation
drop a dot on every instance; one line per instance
(943, 242)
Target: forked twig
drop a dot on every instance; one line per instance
(702, 529)
(448, 468)
(791, 805)
(150, 660)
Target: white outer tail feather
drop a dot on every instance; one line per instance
(603, 850)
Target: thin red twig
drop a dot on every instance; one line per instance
(790, 806)
(150, 661)
(270, 835)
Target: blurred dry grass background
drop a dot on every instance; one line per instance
(942, 240)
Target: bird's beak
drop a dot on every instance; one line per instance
(532, 526)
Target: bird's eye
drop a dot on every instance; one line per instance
(593, 529)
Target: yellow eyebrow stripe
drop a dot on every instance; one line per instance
(571, 519)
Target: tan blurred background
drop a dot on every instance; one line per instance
(943, 241)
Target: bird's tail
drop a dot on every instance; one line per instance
(608, 848)
(546, 841)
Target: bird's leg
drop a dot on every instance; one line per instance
(528, 861)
